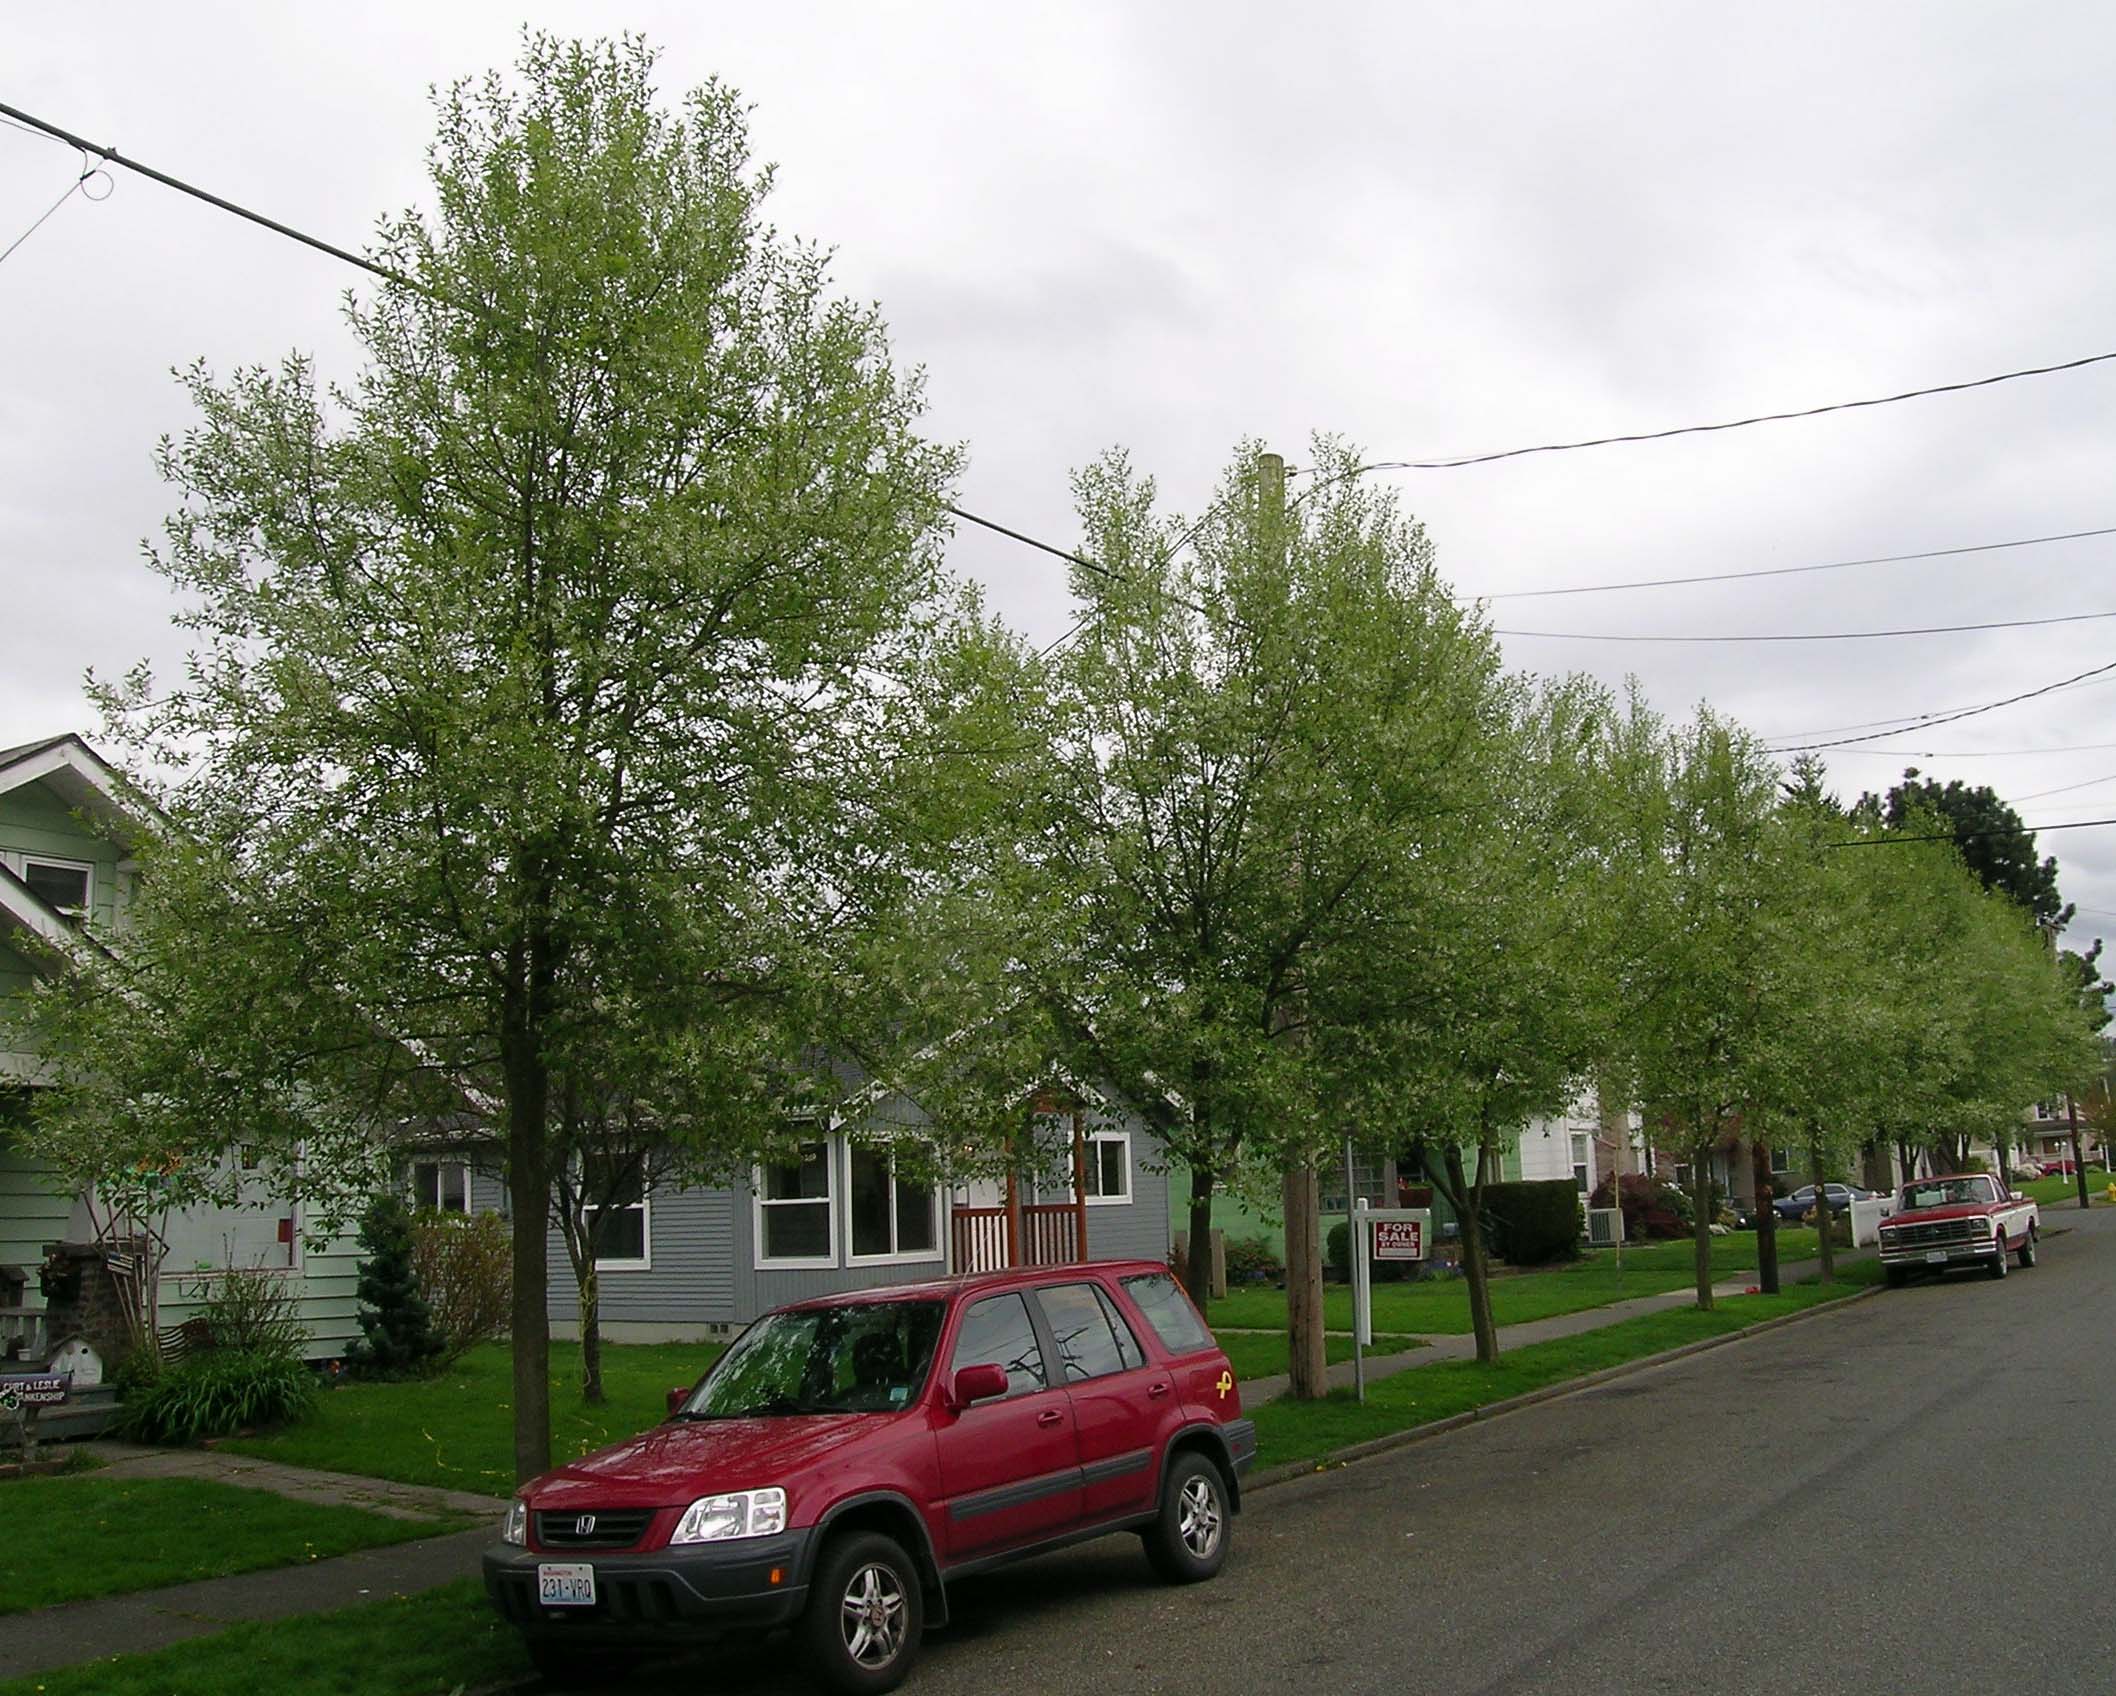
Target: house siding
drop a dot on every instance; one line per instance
(36, 822)
(34, 1210)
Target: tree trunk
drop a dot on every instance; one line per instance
(1468, 1202)
(1701, 1220)
(2079, 1160)
(590, 1336)
(1826, 1224)
(1198, 1275)
(1305, 1357)
(1766, 1218)
(529, 1182)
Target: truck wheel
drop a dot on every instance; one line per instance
(1189, 1541)
(865, 1615)
(1898, 1276)
(2027, 1249)
(1997, 1267)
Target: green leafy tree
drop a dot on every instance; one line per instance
(566, 663)
(1993, 842)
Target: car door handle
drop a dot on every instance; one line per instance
(1155, 1391)
(1049, 1416)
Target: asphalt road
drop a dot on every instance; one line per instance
(1914, 1493)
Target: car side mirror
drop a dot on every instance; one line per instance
(677, 1397)
(979, 1384)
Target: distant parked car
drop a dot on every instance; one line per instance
(1801, 1202)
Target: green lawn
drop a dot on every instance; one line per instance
(1262, 1354)
(69, 1538)
(1297, 1431)
(1596, 1280)
(2049, 1191)
(442, 1641)
(455, 1430)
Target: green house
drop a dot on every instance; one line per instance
(68, 824)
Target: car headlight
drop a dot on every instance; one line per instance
(516, 1530)
(740, 1513)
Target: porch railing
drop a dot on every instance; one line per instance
(22, 1334)
(1049, 1236)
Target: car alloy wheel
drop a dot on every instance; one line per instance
(1198, 1516)
(872, 1616)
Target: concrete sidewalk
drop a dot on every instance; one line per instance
(1437, 1346)
(303, 1484)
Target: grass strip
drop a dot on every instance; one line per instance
(1311, 1431)
(456, 1430)
(72, 1538)
(1262, 1354)
(431, 1644)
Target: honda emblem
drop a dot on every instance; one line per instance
(584, 1526)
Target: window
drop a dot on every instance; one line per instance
(1105, 1157)
(1582, 1167)
(868, 1358)
(443, 1185)
(892, 1217)
(1093, 1341)
(615, 1217)
(1781, 1161)
(1682, 1174)
(997, 1332)
(1167, 1309)
(794, 1209)
(64, 884)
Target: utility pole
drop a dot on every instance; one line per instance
(2079, 1160)
(1299, 1194)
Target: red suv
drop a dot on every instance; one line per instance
(849, 1456)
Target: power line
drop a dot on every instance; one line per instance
(1815, 636)
(1454, 463)
(1889, 840)
(1952, 718)
(78, 186)
(1964, 753)
(2067, 788)
(1902, 724)
(1792, 570)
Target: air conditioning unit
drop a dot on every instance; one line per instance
(1605, 1226)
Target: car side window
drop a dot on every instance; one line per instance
(1093, 1341)
(1167, 1309)
(997, 1332)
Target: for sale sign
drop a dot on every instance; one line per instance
(45, 1389)
(1399, 1239)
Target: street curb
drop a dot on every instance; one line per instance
(1339, 1458)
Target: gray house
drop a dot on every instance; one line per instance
(683, 1263)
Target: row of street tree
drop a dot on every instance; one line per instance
(585, 748)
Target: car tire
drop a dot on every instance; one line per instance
(866, 1613)
(1997, 1268)
(2027, 1249)
(1898, 1276)
(568, 1666)
(1187, 1542)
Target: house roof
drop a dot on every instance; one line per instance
(84, 780)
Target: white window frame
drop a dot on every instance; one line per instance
(1061, 1192)
(1580, 1145)
(1781, 1162)
(939, 1250)
(833, 1198)
(645, 1262)
(439, 1166)
(24, 860)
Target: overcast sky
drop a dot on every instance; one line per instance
(1434, 229)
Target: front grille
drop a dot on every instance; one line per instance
(593, 1528)
(1939, 1233)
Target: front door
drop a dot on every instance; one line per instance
(1121, 1405)
(1009, 1468)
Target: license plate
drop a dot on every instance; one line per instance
(565, 1584)
(1938, 1257)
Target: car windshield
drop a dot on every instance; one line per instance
(1948, 1192)
(870, 1357)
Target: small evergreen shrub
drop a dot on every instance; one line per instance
(397, 1335)
(1533, 1223)
(216, 1393)
(1252, 1260)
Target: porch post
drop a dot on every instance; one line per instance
(1079, 1184)
(1013, 1220)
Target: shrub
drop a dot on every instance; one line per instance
(255, 1313)
(1252, 1260)
(397, 1337)
(464, 1268)
(216, 1393)
(1652, 1210)
(1533, 1223)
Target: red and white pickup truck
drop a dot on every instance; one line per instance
(1968, 1219)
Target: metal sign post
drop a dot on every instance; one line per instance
(1379, 1233)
